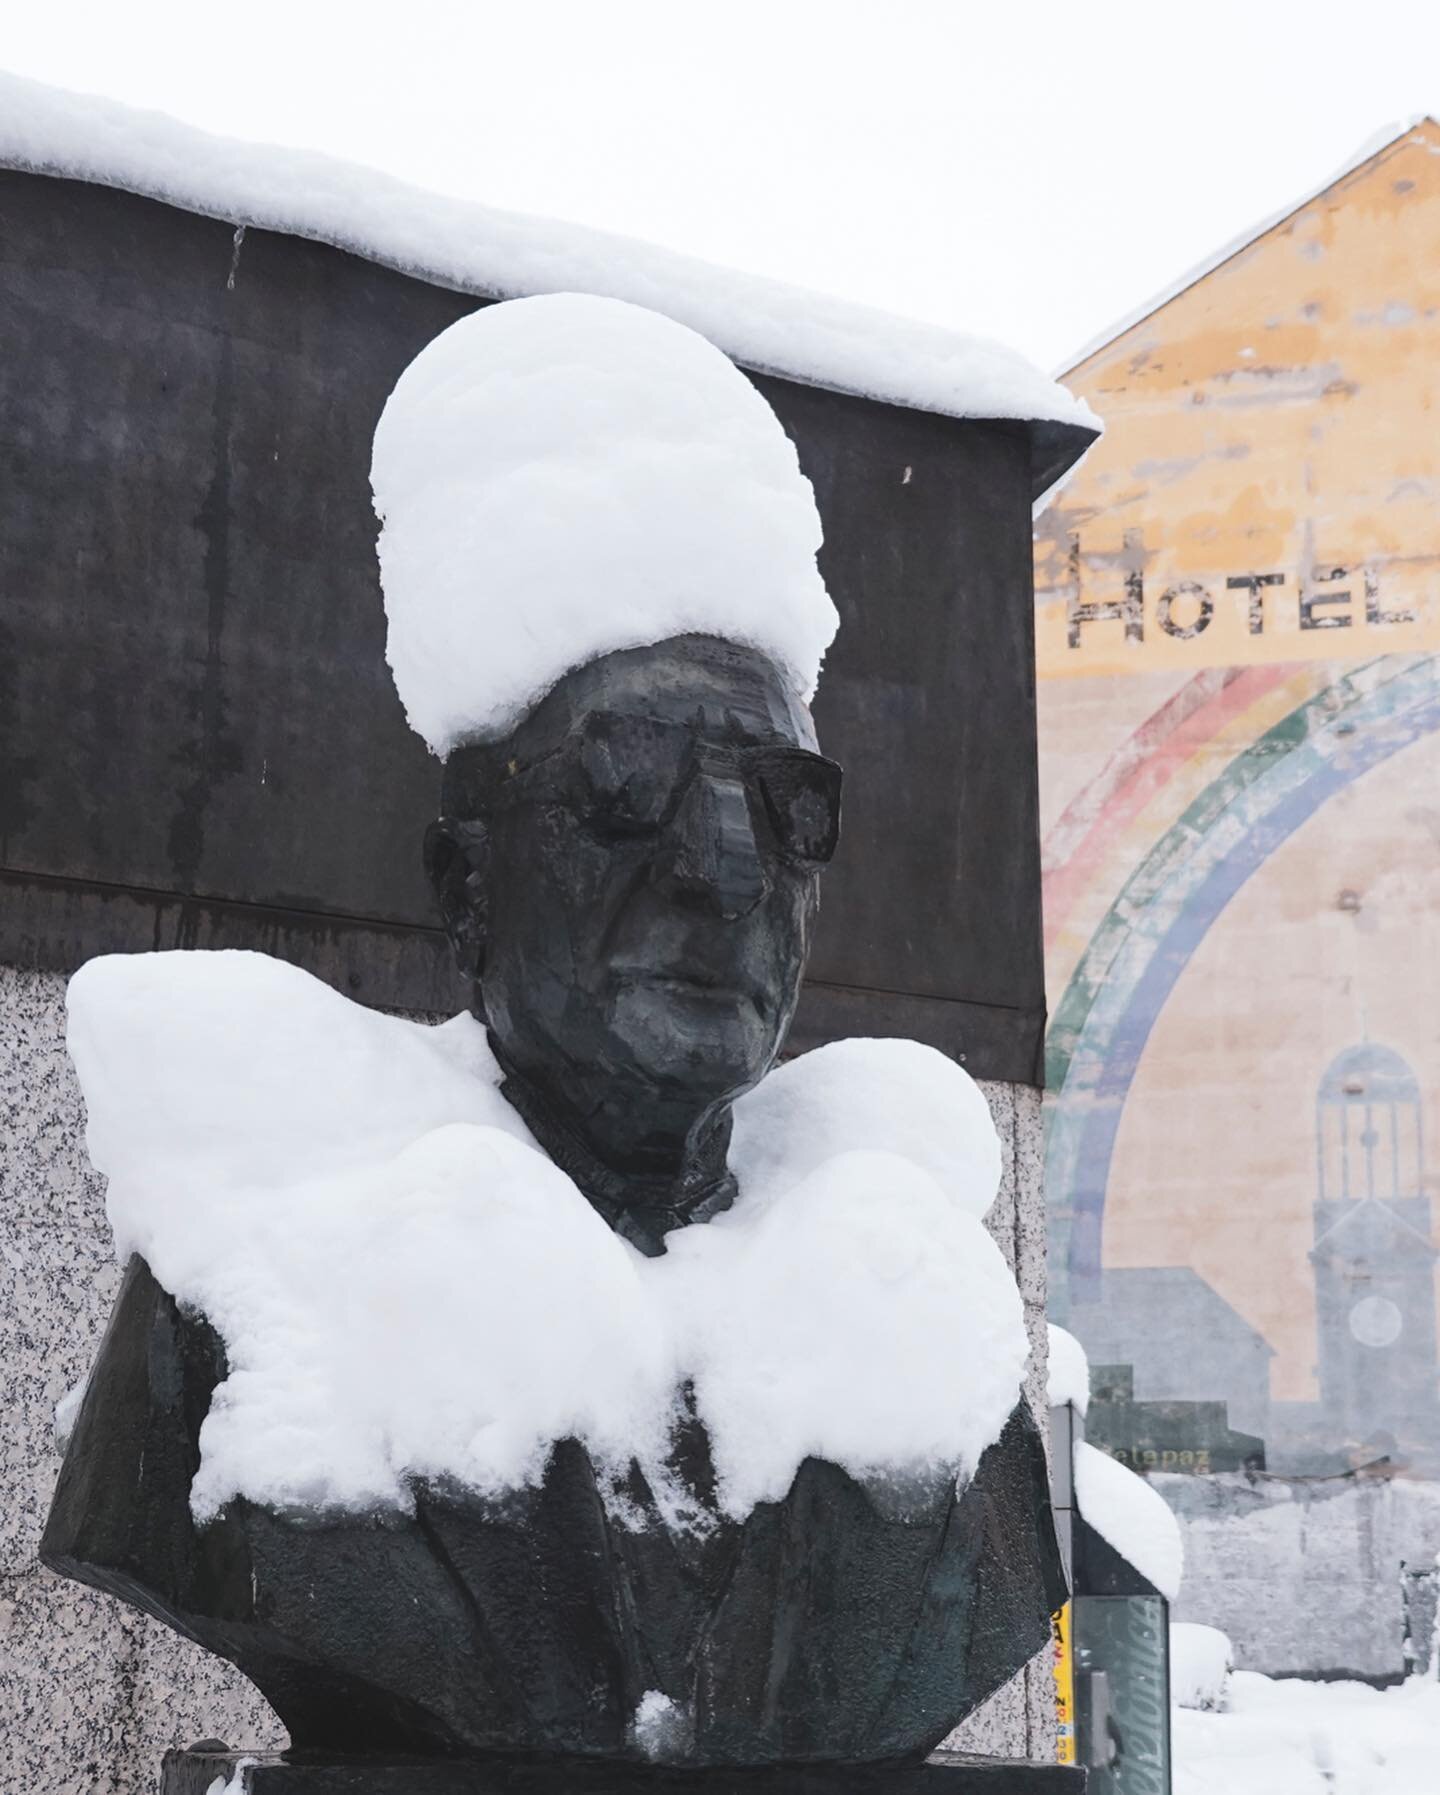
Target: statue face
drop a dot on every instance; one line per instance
(635, 871)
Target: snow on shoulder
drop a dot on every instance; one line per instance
(1069, 1374)
(1130, 1516)
(566, 476)
(765, 324)
(408, 1287)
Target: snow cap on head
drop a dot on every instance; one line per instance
(564, 476)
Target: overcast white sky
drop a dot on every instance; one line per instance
(1028, 171)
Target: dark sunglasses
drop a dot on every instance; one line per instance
(622, 775)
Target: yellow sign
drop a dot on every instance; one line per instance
(1064, 1671)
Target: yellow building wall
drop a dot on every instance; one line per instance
(1238, 635)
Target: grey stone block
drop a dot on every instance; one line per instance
(45, 1175)
(1030, 1218)
(1038, 1369)
(183, 1694)
(1019, 1720)
(67, 1672)
(1001, 1219)
(998, 1729)
(56, 1287)
(93, 1694)
(1041, 1715)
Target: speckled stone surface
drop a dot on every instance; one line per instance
(93, 1693)
(1019, 1720)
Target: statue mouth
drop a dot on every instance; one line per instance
(695, 984)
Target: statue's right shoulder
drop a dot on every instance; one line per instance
(235, 1068)
(120, 1518)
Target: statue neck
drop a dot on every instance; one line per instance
(645, 1172)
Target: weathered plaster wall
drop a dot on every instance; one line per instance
(1304, 1577)
(91, 1692)
(1238, 641)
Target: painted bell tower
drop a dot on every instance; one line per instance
(1373, 1261)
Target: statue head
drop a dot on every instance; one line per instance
(606, 616)
(630, 876)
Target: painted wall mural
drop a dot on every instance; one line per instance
(1239, 649)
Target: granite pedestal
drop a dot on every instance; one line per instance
(946, 1773)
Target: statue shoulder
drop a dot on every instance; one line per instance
(867, 1095)
(237, 1068)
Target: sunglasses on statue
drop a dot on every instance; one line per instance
(622, 775)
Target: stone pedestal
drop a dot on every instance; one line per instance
(947, 1773)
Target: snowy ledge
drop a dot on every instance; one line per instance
(768, 326)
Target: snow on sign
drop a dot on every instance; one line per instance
(763, 324)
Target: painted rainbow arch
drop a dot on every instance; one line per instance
(1166, 907)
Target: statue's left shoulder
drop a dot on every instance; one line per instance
(868, 1095)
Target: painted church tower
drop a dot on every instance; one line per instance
(1374, 1264)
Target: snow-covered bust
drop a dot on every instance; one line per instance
(569, 1378)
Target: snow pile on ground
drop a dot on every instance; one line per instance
(1068, 1379)
(1201, 1660)
(407, 1286)
(566, 476)
(1287, 1737)
(765, 324)
(1130, 1516)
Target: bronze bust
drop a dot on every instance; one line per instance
(628, 876)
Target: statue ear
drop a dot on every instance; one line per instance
(457, 857)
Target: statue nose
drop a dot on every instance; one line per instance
(711, 858)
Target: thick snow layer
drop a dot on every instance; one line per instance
(1069, 1374)
(1130, 1516)
(852, 1095)
(765, 324)
(407, 1286)
(565, 476)
(1201, 1660)
(1287, 1737)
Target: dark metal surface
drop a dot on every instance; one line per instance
(629, 881)
(947, 1773)
(199, 740)
(849, 1622)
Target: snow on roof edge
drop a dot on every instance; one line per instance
(767, 325)
(1374, 145)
